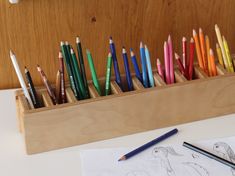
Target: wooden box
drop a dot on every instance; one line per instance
(123, 113)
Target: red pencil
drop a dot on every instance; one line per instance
(180, 65)
(191, 58)
(159, 69)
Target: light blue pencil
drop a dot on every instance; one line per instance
(149, 67)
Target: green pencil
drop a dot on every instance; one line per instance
(108, 74)
(93, 72)
(78, 74)
(82, 67)
(68, 68)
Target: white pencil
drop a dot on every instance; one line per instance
(21, 79)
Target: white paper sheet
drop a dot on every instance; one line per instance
(174, 160)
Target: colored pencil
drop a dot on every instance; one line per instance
(68, 68)
(47, 85)
(136, 67)
(115, 63)
(212, 62)
(149, 67)
(144, 65)
(180, 64)
(191, 58)
(230, 63)
(209, 155)
(167, 66)
(127, 70)
(219, 38)
(21, 79)
(93, 72)
(219, 55)
(149, 144)
(159, 69)
(78, 75)
(184, 55)
(62, 79)
(32, 90)
(208, 55)
(198, 50)
(203, 50)
(58, 87)
(82, 66)
(108, 74)
(171, 62)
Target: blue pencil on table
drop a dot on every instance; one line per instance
(144, 67)
(127, 70)
(149, 67)
(115, 63)
(149, 144)
(136, 67)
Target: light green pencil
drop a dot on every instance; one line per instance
(93, 72)
(108, 74)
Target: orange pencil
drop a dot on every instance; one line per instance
(208, 54)
(212, 61)
(203, 51)
(198, 51)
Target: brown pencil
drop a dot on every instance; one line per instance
(58, 87)
(62, 80)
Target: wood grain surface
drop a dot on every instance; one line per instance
(34, 28)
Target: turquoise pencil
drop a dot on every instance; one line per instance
(149, 67)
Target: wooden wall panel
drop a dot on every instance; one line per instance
(34, 28)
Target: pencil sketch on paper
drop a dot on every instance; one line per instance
(137, 173)
(226, 152)
(163, 154)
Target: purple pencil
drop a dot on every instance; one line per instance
(167, 66)
(171, 62)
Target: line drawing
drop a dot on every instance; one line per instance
(163, 152)
(137, 173)
(225, 151)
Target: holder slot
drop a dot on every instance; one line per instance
(115, 89)
(220, 69)
(179, 77)
(158, 80)
(46, 99)
(70, 95)
(199, 73)
(137, 84)
(93, 92)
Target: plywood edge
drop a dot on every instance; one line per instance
(70, 95)
(115, 89)
(137, 84)
(179, 77)
(158, 80)
(93, 92)
(220, 69)
(46, 99)
(199, 73)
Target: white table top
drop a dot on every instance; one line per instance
(14, 160)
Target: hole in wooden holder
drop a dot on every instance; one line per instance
(46, 99)
(137, 84)
(70, 95)
(199, 73)
(93, 92)
(158, 80)
(115, 89)
(179, 77)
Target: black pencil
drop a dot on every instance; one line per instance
(209, 155)
(33, 93)
(149, 144)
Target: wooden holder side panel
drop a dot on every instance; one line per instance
(93, 92)
(124, 115)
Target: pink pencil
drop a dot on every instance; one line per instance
(159, 69)
(171, 62)
(184, 47)
(167, 66)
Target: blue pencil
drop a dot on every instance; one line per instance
(149, 144)
(144, 67)
(115, 63)
(136, 67)
(127, 70)
(149, 67)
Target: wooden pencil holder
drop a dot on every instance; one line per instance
(123, 113)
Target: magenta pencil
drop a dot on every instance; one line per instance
(159, 69)
(167, 66)
(171, 62)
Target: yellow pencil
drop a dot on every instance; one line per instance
(199, 55)
(212, 61)
(230, 63)
(218, 34)
(219, 55)
(208, 54)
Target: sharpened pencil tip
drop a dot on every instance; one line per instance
(66, 43)
(176, 56)
(38, 68)
(184, 39)
(60, 54)
(158, 61)
(200, 30)
(71, 50)
(217, 45)
(145, 46)
(11, 53)
(169, 37)
(123, 50)
(191, 40)
(109, 55)
(194, 32)
(110, 40)
(61, 43)
(132, 53)
(122, 158)
(77, 39)
(211, 52)
(141, 44)
(87, 51)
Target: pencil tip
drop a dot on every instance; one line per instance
(141, 44)
(211, 52)
(176, 56)
(110, 40)
(122, 158)
(61, 43)
(191, 40)
(200, 30)
(87, 50)
(77, 39)
(158, 61)
(194, 32)
(123, 50)
(109, 55)
(184, 39)
(169, 37)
